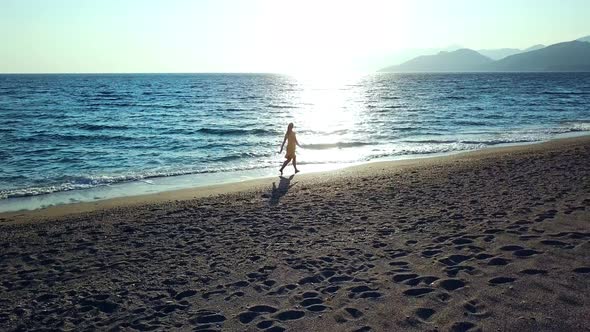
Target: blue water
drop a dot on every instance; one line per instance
(66, 133)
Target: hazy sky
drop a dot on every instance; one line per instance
(265, 35)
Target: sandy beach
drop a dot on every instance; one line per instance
(493, 240)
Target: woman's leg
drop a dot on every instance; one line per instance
(295, 164)
(284, 165)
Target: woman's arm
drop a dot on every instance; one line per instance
(282, 145)
(296, 141)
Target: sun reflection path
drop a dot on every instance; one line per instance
(331, 114)
(330, 106)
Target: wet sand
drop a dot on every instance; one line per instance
(491, 240)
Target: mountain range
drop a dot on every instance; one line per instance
(500, 53)
(566, 56)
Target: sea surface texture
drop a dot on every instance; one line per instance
(66, 132)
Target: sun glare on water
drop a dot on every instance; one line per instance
(326, 100)
(328, 114)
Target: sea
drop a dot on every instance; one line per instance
(83, 137)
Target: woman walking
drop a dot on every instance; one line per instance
(291, 140)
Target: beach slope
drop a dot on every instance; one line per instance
(491, 240)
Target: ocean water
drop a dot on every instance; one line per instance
(68, 138)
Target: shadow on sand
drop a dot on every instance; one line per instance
(280, 191)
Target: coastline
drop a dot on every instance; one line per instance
(261, 184)
(496, 239)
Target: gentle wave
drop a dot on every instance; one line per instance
(471, 123)
(573, 93)
(281, 106)
(473, 142)
(74, 137)
(88, 182)
(576, 125)
(237, 132)
(498, 141)
(238, 156)
(338, 145)
(94, 127)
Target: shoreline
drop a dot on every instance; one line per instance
(161, 184)
(492, 240)
(259, 184)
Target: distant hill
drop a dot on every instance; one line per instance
(584, 39)
(533, 48)
(497, 54)
(459, 60)
(567, 56)
(403, 55)
(501, 53)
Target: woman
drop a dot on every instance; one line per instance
(291, 140)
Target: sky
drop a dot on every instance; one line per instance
(122, 36)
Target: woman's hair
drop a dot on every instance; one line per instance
(290, 127)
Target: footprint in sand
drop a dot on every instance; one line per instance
(533, 271)
(354, 313)
(463, 327)
(424, 313)
(330, 289)
(208, 295)
(186, 293)
(399, 263)
(265, 324)
(311, 280)
(451, 284)
(341, 278)
(443, 297)
(290, 315)
(416, 292)
(501, 280)
(253, 312)
(207, 317)
(489, 238)
(431, 253)
(511, 247)
(281, 290)
(498, 261)
(99, 302)
(247, 317)
(454, 259)
(549, 214)
(426, 280)
(452, 271)
(483, 256)
(404, 276)
(461, 240)
(553, 243)
(525, 253)
(233, 295)
(475, 308)
(363, 292)
(312, 302)
(528, 237)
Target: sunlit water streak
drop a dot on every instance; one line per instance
(87, 137)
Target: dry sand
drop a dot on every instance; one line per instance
(495, 240)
